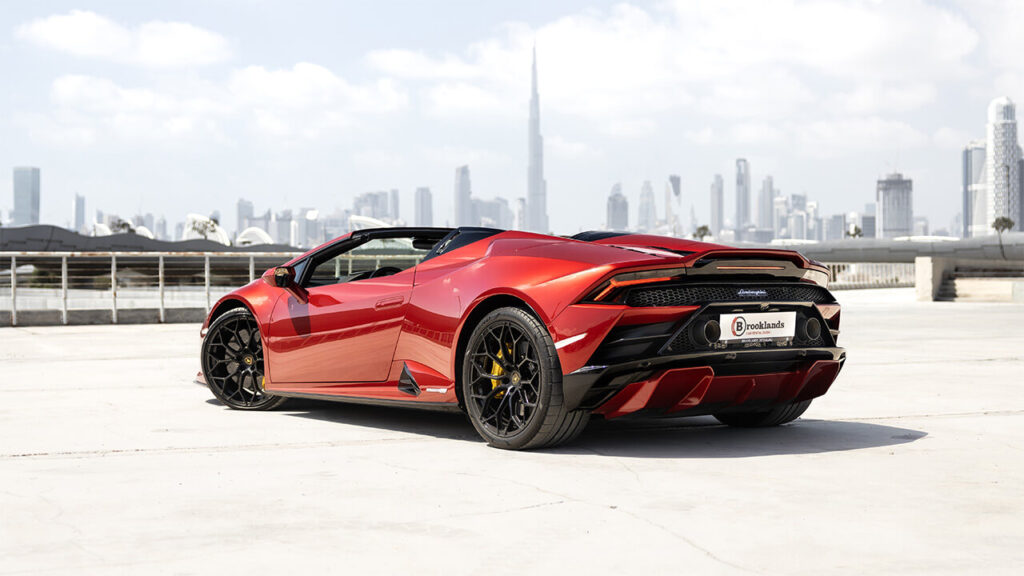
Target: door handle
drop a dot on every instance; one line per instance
(389, 303)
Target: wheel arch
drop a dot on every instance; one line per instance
(225, 305)
(482, 308)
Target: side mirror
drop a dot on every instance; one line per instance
(284, 277)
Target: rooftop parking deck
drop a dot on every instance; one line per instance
(113, 461)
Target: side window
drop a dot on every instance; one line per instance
(373, 259)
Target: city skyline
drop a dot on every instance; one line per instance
(188, 135)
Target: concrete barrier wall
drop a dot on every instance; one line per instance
(978, 279)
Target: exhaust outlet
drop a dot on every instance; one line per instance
(707, 333)
(811, 329)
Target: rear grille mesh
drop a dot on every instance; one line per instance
(689, 295)
(682, 342)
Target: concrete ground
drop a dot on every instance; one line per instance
(112, 461)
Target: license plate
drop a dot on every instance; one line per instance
(758, 326)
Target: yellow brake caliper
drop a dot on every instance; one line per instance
(496, 370)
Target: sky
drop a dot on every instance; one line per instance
(186, 106)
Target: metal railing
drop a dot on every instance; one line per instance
(91, 287)
(849, 275)
(101, 287)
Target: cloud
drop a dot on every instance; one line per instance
(305, 101)
(835, 137)
(559, 147)
(946, 137)
(153, 44)
(876, 98)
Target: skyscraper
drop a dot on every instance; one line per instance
(647, 213)
(766, 203)
(26, 196)
(79, 214)
(974, 190)
(424, 207)
(372, 204)
(895, 207)
(463, 197)
(618, 210)
(742, 194)
(244, 212)
(393, 205)
(536, 186)
(1002, 163)
(717, 205)
(780, 217)
(494, 213)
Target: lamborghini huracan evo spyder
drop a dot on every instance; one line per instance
(529, 334)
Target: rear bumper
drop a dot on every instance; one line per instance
(704, 383)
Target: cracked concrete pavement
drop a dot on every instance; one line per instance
(112, 461)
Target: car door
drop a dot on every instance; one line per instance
(346, 331)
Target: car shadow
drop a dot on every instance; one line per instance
(696, 437)
(446, 425)
(704, 437)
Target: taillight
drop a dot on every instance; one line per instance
(633, 278)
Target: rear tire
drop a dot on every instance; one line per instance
(232, 359)
(773, 417)
(512, 384)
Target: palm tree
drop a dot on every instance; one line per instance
(1002, 224)
(204, 228)
(702, 232)
(857, 233)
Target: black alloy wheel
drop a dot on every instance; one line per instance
(512, 384)
(233, 362)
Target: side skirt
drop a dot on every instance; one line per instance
(432, 406)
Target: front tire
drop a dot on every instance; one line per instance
(232, 359)
(773, 417)
(512, 384)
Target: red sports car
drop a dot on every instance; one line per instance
(529, 334)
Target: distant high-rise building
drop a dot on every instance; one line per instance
(393, 205)
(974, 191)
(536, 185)
(717, 205)
(868, 226)
(26, 196)
(1002, 163)
(281, 228)
(521, 212)
(780, 216)
(766, 204)
(494, 213)
(797, 225)
(161, 228)
(79, 214)
(647, 213)
(798, 201)
(742, 194)
(920, 226)
(372, 204)
(618, 210)
(244, 212)
(676, 183)
(814, 222)
(835, 228)
(463, 197)
(424, 207)
(895, 207)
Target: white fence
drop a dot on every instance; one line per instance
(91, 287)
(100, 287)
(847, 275)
